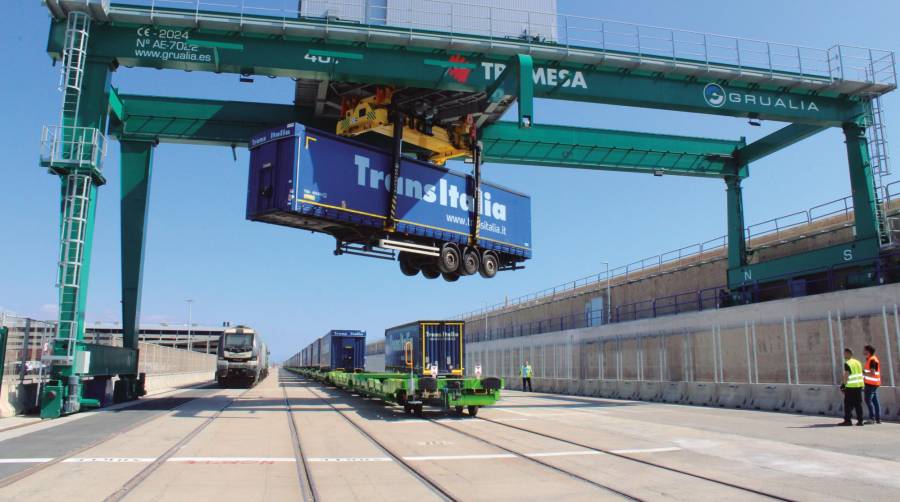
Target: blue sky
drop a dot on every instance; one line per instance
(288, 284)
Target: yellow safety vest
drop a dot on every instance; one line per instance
(855, 380)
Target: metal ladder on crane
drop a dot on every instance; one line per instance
(879, 159)
(75, 154)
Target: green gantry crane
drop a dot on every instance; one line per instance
(452, 74)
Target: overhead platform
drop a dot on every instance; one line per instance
(585, 41)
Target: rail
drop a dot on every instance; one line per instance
(704, 250)
(837, 63)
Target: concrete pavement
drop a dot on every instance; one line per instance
(236, 444)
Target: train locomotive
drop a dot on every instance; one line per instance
(243, 357)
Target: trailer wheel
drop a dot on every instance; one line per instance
(471, 262)
(407, 409)
(418, 410)
(407, 267)
(489, 265)
(450, 277)
(473, 410)
(459, 410)
(448, 261)
(431, 272)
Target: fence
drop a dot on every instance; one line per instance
(29, 338)
(24, 346)
(746, 346)
(840, 62)
(158, 360)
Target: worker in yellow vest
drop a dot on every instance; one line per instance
(872, 378)
(852, 387)
(526, 377)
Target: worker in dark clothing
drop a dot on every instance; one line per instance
(852, 387)
(872, 378)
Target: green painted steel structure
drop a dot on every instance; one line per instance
(497, 69)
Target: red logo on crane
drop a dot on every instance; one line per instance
(461, 75)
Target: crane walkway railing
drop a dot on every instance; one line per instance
(763, 233)
(641, 43)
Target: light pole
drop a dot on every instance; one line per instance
(485, 320)
(608, 295)
(189, 340)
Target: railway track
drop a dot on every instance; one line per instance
(601, 486)
(419, 475)
(177, 402)
(144, 473)
(607, 489)
(631, 459)
(307, 485)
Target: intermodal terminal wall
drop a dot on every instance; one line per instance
(692, 280)
(781, 355)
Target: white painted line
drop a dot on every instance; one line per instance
(564, 453)
(648, 450)
(108, 460)
(349, 459)
(272, 460)
(488, 456)
(231, 460)
(566, 414)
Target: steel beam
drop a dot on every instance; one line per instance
(192, 49)
(778, 140)
(737, 241)
(203, 121)
(856, 253)
(136, 165)
(600, 149)
(232, 123)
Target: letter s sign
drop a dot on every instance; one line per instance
(848, 254)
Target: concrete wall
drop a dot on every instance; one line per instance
(779, 355)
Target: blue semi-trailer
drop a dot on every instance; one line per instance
(422, 346)
(305, 178)
(343, 349)
(338, 350)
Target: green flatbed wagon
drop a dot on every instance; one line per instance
(450, 393)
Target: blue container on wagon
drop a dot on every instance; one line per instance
(419, 345)
(343, 350)
(306, 178)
